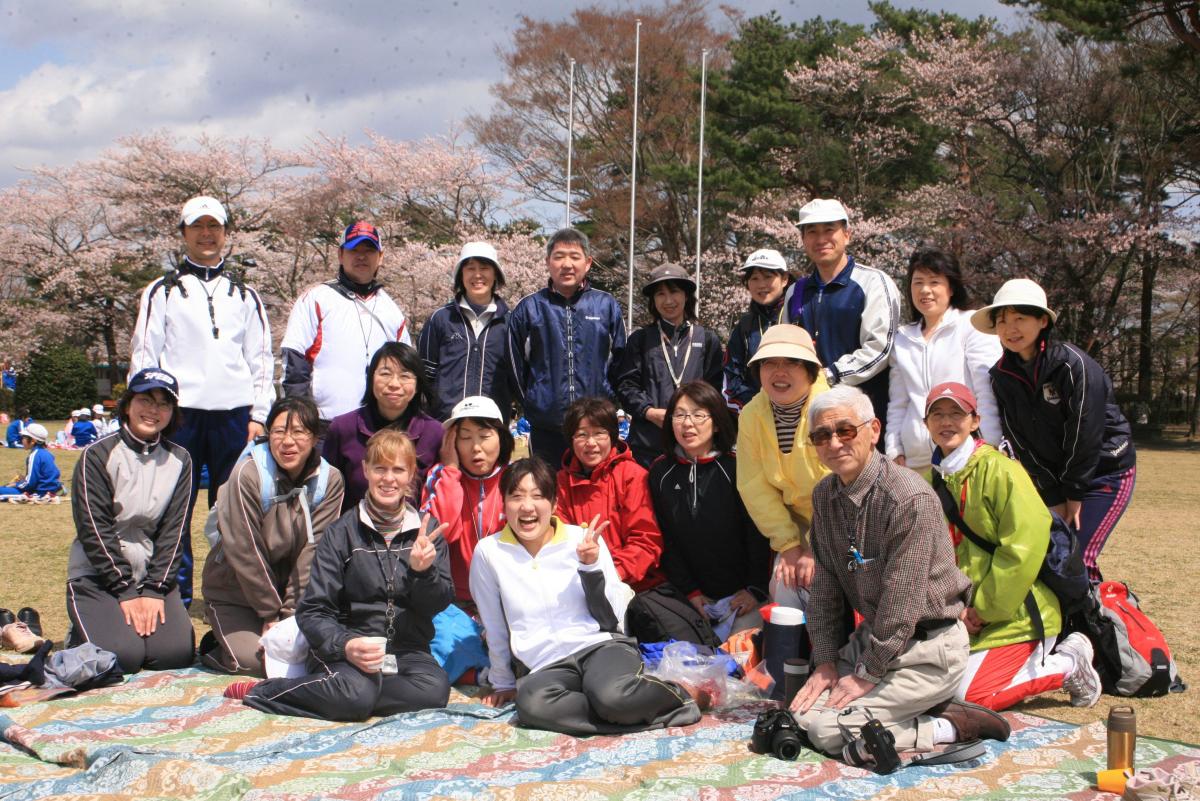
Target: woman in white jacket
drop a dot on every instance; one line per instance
(940, 345)
(551, 604)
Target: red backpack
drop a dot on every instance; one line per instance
(1132, 656)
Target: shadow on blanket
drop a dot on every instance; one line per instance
(172, 735)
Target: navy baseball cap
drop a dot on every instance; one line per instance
(154, 378)
(359, 232)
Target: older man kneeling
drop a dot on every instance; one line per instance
(879, 541)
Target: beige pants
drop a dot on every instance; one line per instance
(925, 673)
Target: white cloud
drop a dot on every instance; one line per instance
(287, 69)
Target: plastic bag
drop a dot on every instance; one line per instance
(704, 674)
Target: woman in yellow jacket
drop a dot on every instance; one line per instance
(777, 466)
(1010, 658)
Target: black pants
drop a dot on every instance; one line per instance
(601, 690)
(340, 691)
(214, 438)
(548, 443)
(96, 617)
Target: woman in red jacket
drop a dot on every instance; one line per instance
(601, 478)
(463, 490)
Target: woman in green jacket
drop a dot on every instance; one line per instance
(998, 502)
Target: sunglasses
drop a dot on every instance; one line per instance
(844, 432)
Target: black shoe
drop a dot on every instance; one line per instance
(29, 616)
(6, 617)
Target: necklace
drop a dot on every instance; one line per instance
(677, 379)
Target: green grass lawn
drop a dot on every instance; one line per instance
(1154, 549)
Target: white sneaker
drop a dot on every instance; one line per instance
(1083, 683)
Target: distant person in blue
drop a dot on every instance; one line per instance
(622, 425)
(12, 437)
(84, 430)
(9, 377)
(41, 473)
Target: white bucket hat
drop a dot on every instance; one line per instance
(479, 250)
(765, 259)
(476, 406)
(1017, 292)
(822, 210)
(36, 432)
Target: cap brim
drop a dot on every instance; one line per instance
(154, 385)
(648, 289)
(982, 319)
(784, 350)
(351, 244)
(278, 669)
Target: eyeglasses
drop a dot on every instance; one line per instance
(699, 418)
(298, 435)
(844, 432)
(401, 378)
(595, 436)
(148, 400)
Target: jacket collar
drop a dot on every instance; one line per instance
(507, 536)
(619, 453)
(189, 267)
(143, 447)
(557, 297)
(841, 279)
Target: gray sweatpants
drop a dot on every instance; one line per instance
(601, 690)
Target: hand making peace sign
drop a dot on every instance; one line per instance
(424, 551)
(589, 547)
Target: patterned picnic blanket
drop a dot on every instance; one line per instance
(172, 735)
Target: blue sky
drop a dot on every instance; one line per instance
(77, 74)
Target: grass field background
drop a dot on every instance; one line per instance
(1154, 549)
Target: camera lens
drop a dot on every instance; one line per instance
(787, 746)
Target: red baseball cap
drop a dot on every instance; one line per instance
(952, 390)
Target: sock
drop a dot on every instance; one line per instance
(237, 691)
(944, 732)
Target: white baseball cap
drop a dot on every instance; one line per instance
(476, 406)
(822, 210)
(35, 431)
(1017, 292)
(98, 409)
(285, 650)
(203, 206)
(765, 259)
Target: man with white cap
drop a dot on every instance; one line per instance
(335, 327)
(203, 325)
(100, 420)
(851, 310)
(766, 277)
(465, 343)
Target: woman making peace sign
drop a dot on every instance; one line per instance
(379, 576)
(550, 601)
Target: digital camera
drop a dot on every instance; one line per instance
(875, 749)
(776, 732)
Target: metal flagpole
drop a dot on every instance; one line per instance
(700, 168)
(637, 55)
(570, 143)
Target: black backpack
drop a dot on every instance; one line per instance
(664, 613)
(1062, 569)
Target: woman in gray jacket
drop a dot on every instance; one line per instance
(129, 499)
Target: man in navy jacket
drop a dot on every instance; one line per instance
(564, 341)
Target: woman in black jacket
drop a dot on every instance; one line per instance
(1058, 413)
(377, 581)
(662, 355)
(712, 551)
